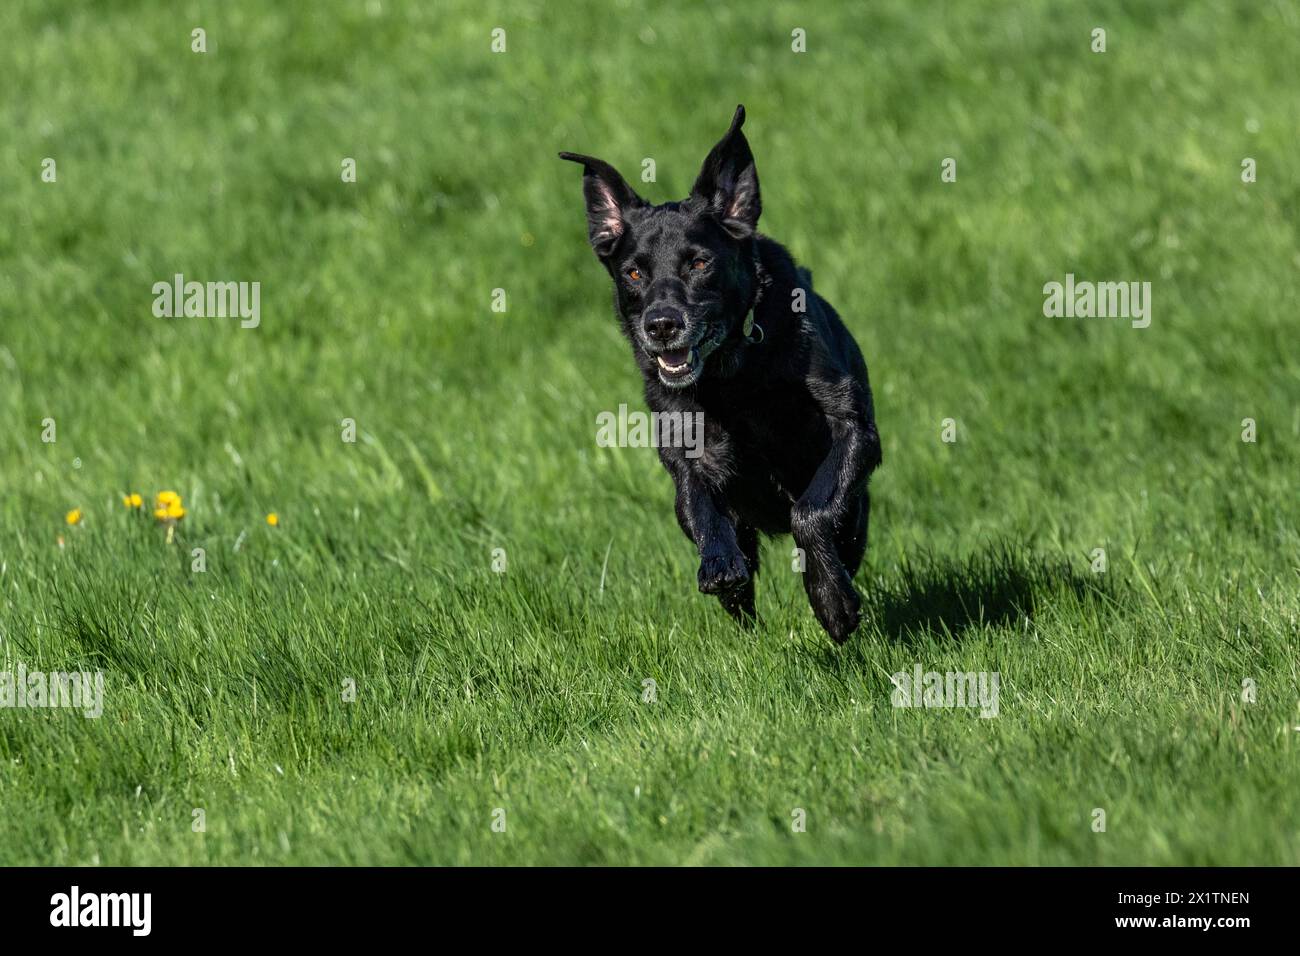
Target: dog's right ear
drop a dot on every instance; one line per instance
(609, 198)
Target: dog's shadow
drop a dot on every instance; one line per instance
(930, 597)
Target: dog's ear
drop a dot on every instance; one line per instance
(608, 197)
(728, 182)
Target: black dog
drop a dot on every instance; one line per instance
(722, 322)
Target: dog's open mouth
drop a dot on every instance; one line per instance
(678, 364)
(681, 367)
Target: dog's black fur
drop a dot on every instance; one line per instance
(789, 427)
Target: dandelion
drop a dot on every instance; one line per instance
(169, 510)
(73, 517)
(273, 519)
(133, 500)
(167, 506)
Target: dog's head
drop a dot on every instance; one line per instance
(684, 272)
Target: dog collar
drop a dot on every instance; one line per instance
(750, 326)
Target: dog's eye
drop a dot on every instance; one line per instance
(634, 274)
(700, 264)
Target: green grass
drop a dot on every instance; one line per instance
(476, 431)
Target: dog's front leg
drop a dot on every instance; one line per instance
(724, 568)
(825, 514)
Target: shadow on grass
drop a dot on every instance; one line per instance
(1003, 585)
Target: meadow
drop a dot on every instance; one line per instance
(472, 635)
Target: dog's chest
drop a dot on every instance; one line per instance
(771, 444)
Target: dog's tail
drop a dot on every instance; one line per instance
(805, 277)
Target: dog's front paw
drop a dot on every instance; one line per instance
(838, 609)
(720, 573)
(844, 620)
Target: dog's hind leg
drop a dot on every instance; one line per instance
(739, 601)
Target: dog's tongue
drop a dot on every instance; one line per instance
(676, 357)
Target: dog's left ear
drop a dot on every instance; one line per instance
(728, 182)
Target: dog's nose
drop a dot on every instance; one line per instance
(663, 325)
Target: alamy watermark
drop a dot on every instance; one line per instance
(77, 690)
(1102, 300)
(922, 688)
(130, 910)
(651, 430)
(209, 300)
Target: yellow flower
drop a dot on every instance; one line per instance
(173, 511)
(133, 500)
(167, 507)
(273, 519)
(73, 516)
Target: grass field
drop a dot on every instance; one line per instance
(1163, 691)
